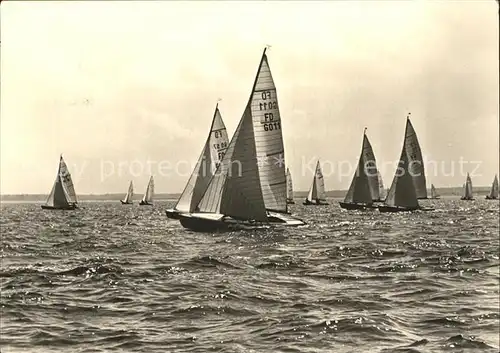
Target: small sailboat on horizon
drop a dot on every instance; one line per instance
(211, 155)
(147, 199)
(494, 190)
(365, 188)
(62, 196)
(434, 193)
(130, 194)
(289, 188)
(317, 194)
(248, 190)
(467, 190)
(402, 195)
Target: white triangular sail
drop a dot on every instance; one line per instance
(251, 177)
(211, 155)
(317, 190)
(150, 190)
(370, 168)
(494, 189)
(66, 181)
(58, 197)
(434, 193)
(468, 188)
(289, 186)
(415, 160)
(130, 193)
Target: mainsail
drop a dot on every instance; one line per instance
(415, 160)
(150, 190)
(381, 188)
(468, 189)
(211, 155)
(402, 193)
(289, 187)
(130, 193)
(62, 195)
(370, 168)
(317, 190)
(494, 189)
(251, 177)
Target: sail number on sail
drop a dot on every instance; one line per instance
(269, 123)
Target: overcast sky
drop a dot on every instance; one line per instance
(108, 82)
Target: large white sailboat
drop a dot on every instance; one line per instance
(289, 188)
(130, 194)
(210, 158)
(467, 196)
(248, 190)
(62, 196)
(147, 199)
(317, 194)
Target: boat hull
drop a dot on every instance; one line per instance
(313, 203)
(217, 223)
(172, 214)
(488, 197)
(70, 207)
(289, 202)
(467, 199)
(125, 203)
(145, 203)
(385, 208)
(356, 206)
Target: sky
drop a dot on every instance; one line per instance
(123, 89)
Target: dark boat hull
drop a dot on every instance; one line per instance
(172, 214)
(70, 207)
(466, 199)
(385, 208)
(290, 202)
(125, 203)
(488, 197)
(202, 225)
(356, 206)
(144, 203)
(309, 203)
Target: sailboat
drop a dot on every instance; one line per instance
(248, 190)
(381, 190)
(494, 190)
(211, 156)
(364, 189)
(317, 195)
(147, 199)
(289, 188)
(402, 195)
(130, 194)
(416, 162)
(467, 196)
(434, 193)
(62, 195)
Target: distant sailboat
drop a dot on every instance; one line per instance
(467, 196)
(416, 162)
(211, 155)
(130, 194)
(382, 192)
(364, 187)
(402, 195)
(317, 195)
(494, 190)
(62, 195)
(434, 193)
(248, 190)
(148, 195)
(289, 188)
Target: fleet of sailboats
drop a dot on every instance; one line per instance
(493, 195)
(317, 194)
(62, 196)
(467, 195)
(242, 183)
(147, 199)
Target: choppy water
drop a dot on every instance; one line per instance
(113, 278)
